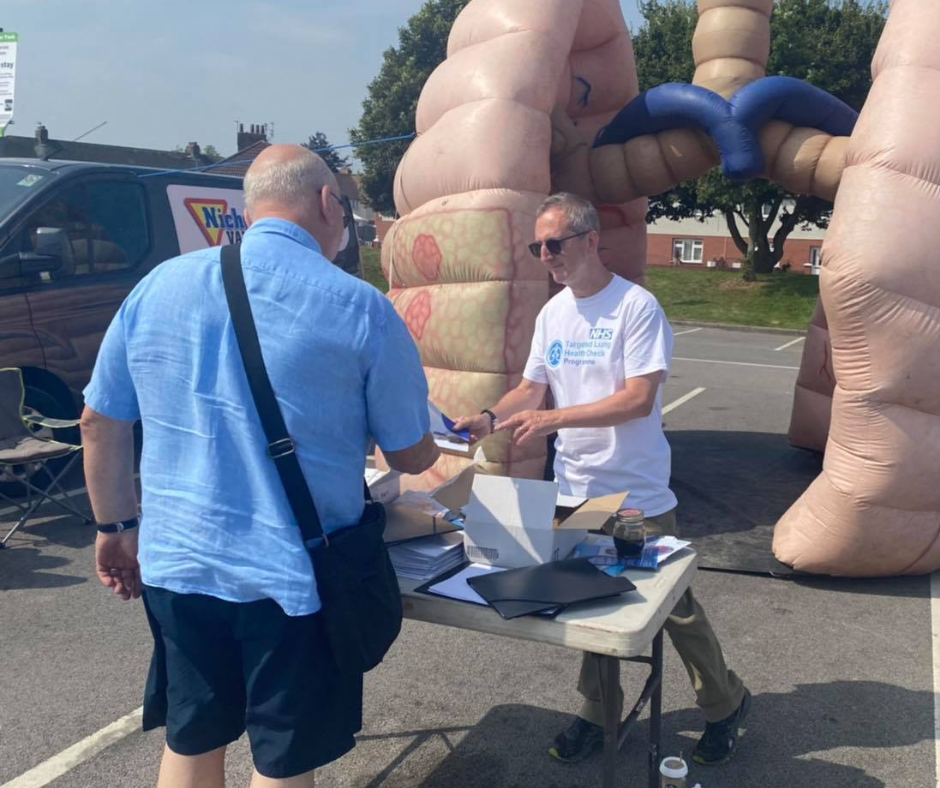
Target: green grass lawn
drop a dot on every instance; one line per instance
(779, 301)
(705, 296)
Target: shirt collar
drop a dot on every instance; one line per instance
(271, 226)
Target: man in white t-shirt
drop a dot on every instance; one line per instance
(603, 346)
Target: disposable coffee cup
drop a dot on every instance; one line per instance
(672, 773)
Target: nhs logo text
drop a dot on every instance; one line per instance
(602, 333)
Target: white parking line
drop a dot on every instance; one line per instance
(790, 344)
(732, 363)
(688, 331)
(673, 405)
(935, 637)
(87, 748)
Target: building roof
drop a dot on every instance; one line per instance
(31, 148)
(241, 161)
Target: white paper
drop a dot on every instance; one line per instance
(457, 587)
(373, 475)
(572, 501)
(423, 559)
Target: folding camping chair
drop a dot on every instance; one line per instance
(23, 453)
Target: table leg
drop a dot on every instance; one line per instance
(610, 683)
(656, 710)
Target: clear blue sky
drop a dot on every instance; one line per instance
(165, 73)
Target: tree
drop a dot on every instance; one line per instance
(829, 43)
(319, 144)
(389, 108)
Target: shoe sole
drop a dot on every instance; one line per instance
(745, 710)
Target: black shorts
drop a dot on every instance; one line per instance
(221, 668)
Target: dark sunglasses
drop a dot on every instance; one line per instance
(552, 244)
(345, 215)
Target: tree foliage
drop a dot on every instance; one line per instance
(319, 144)
(389, 109)
(829, 43)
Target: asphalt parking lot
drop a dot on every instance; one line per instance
(842, 672)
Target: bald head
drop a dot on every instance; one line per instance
(291, 182)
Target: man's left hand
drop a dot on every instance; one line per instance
(116, 563)
(529, 424)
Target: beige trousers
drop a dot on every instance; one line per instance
(718, 691)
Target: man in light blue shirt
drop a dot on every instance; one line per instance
(217, 532)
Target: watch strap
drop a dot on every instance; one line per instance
(493, 418)
(116, 528)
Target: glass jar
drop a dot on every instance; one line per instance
(629, 533)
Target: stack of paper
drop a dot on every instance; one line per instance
(422, 559)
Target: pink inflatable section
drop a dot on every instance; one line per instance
(469, 185)
(875, 510)
(511, 115)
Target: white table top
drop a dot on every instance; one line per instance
(620, 627)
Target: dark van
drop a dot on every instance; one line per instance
(74, 240)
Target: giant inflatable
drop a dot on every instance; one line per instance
(537, 96)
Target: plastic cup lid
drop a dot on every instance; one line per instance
(673, 767)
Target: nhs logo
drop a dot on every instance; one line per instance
(602, 333)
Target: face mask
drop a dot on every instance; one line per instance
(344, 241)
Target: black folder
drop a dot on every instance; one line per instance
(533, 589)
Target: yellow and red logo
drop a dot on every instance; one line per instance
(213, 218)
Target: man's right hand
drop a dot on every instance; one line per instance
(479, 426)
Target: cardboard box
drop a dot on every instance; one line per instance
(516, 522)
(414, 515)
(384, 486)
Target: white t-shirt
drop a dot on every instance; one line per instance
(585, 349)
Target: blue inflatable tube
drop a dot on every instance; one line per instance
(795, 101)
(677, 106)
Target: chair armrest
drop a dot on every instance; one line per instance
(54, 424)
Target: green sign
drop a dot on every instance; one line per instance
(8, 44)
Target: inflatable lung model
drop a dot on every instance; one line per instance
(875, 510)
(468, 187)
(540, 95)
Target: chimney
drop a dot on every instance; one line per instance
(43, 148)
(256, 133)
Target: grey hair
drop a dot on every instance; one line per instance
(292, 181)
(582, 216)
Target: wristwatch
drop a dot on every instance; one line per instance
(116, 528)
(493, 419)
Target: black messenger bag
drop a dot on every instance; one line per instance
(361, 602)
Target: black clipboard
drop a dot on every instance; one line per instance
(557, 584)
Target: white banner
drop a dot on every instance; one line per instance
(7, 77)
(205, 217)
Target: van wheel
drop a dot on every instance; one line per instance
(39, 400)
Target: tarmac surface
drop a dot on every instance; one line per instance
(841, 671)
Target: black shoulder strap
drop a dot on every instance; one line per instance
(280, 445)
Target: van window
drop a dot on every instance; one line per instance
(17, 184)
(106, 224)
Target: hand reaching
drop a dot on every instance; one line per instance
(479, 426)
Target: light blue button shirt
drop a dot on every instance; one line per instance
(343, 365)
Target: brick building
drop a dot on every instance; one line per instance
(688, 243)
